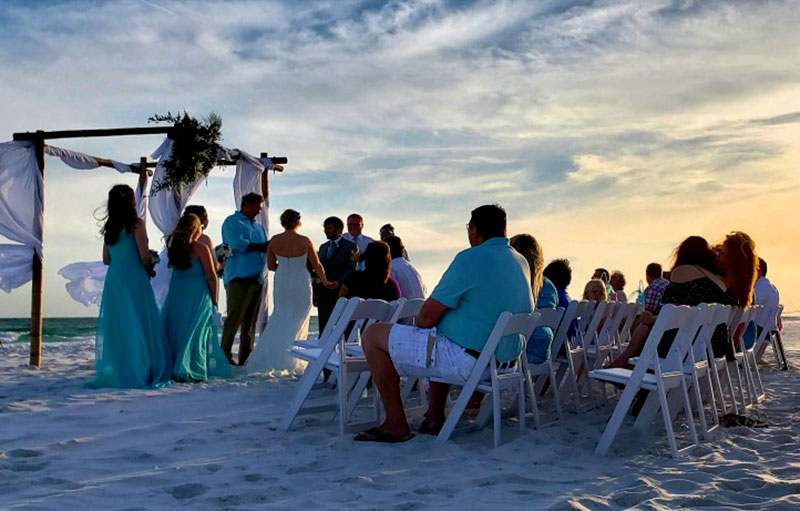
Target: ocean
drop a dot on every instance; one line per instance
(64, 329)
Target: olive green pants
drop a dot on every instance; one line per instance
(244, 296)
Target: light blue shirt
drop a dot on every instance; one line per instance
(238, 232)
(481, 283)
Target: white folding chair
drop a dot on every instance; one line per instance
(573, 360)
(335, 313)
(696, 368)
(332, 354)
(509, 377)
(662, 380)
(550, 318)
(747, 359)
(769, 336)
(628, 312)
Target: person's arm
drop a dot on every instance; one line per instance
(317, 266)
(106, 255)
(207, 260)
(430, 314)
(140, 234)
(234, 236)
(272, 261)
(344, 292)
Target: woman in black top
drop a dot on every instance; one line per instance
(374, 280)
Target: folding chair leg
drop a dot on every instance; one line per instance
(712, 401)
(496, 413)
(712, 365)
(662, 398)
(556, 396)
(455, 412)
(687, 407)
(307, 382)
(614, 423)
(537, 421)
(521, 405)
(700, 408)
(731, 388)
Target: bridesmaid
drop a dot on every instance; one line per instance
(190, 307)
(131, 350)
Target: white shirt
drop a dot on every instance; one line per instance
(764, 293)
(619, 296)
(408, 278)
(361, 242)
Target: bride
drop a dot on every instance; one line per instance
(288, 255)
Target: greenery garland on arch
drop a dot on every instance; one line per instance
(194, 149)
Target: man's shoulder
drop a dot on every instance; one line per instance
(234, 217)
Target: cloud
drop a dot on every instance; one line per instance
(415, 112)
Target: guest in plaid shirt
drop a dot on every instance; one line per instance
(655, 288)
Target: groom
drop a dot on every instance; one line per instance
(244, 275)
(338, 257)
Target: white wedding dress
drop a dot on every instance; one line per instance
(289, 319)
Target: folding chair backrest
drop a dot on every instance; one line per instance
(341, 303)
(550, 318)
(618, 314)
(685, 337)
(629, 316)
(601, 313)
(670, 317)
(337, 326)
(560, 335)
(718, 314)
(407, 311)
(368, 312)
(744, 319)
(510, 324)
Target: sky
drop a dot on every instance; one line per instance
(609, 130)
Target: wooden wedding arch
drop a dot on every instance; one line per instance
(38, 138)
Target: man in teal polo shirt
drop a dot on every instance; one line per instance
(244, 275)
(481, 283)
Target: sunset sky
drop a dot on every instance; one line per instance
(608, 130)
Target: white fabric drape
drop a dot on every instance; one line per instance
(82, 161)
(21, 201)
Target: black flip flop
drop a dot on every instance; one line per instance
(424, 429)
(376, 435)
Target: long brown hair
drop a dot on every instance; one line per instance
(120, 213)
(695, 251)
(739, 263)
(527, 245)
(377, 261)
(179, 243)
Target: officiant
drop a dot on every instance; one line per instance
(244, 275)
(338, 256)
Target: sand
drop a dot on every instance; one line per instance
(215, 446)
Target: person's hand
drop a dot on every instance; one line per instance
(331, 285)
(648, 318)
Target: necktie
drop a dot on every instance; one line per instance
(355, 240)
(331, 247)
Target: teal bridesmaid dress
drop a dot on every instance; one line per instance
(188, 315)
(131, 349)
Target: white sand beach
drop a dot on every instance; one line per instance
(215, 446)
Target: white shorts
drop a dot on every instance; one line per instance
(408, 348)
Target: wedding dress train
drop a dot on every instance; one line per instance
(289, 319)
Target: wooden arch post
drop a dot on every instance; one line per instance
(38, 266)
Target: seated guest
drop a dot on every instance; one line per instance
(406, 276)
(387, 231)
(374, 280)
(765, 293)
(595, 290)
(739, 265)
(538, 348)
(655, 288)
(617, 283)
(695, 279)
(604, 275)
(560, 274)
(481, 283)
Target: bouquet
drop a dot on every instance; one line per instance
(222, 252)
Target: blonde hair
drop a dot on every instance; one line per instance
(595, 285)
(180, 241)
(531, 250)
